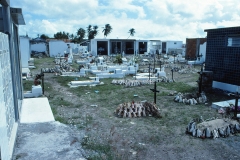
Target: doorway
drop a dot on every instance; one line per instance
(102, 47)
(142, 47)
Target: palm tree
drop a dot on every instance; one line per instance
(61, 35)
(43, 36)
(89, 30)
(107, 30)
(132, 32)
(95, 31)
(81, 33)
(92, 31)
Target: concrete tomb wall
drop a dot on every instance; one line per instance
(8, 126)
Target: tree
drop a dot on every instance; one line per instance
(95, 31)
(81, 33)
(118, 59)
(61, 35)
(71, 36)
(92, 31)
(107, 30)
(131, 32)
(43, 36)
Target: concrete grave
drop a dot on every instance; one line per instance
(36, 92)
(85, 83)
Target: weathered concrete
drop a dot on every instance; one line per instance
(36, 110)
(48, 141)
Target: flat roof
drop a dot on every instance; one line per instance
(17, 16)
(205, 30)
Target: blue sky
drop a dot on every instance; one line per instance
(151, 19)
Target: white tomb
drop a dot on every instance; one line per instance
(93, 82)
(25, 73)
(124, 61)
(82, 72)
(100, 61)
(131, 70)
(161, 73)
(122, 67)
(36, 92)
(118, 73)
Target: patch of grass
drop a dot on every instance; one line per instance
(64, 80)
(60, 101)
(27, 85)
(177, 86)
(54, 111)
(155, 139)
(39, 61)
(60, 119)
(48, 87)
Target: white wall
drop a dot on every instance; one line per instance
(57, 46)
(225, 86)
(8, 126)
(39, 47)
(153, 45)
(25, 51)
(202, 50)
(173, 44)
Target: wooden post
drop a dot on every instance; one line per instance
(42, 77)
(155, 92)
(149, 71)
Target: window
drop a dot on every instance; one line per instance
(234, 41)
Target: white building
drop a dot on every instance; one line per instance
(25, 51)
(166, 45)
(100, 47)
(126, 46)
(57, 47)
(39, 47)
(154, 45)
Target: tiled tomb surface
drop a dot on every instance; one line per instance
(7, 113)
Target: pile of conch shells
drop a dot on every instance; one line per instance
(137, 109)
(213, 132)
(186, 99)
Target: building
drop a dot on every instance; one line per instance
(195, 48)
(166, 45)
(58, 47)
(25, 51)
(11, 92)
(126, 46)
(38, 45)
(223, 57)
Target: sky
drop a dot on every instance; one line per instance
(164, 20)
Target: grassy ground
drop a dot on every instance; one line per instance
(110, 137)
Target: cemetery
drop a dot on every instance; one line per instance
(118, 98)
(124, 104)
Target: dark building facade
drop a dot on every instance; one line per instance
(192, 47)
(223, 54)
(117, 46)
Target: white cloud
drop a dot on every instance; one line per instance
(155, 19)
